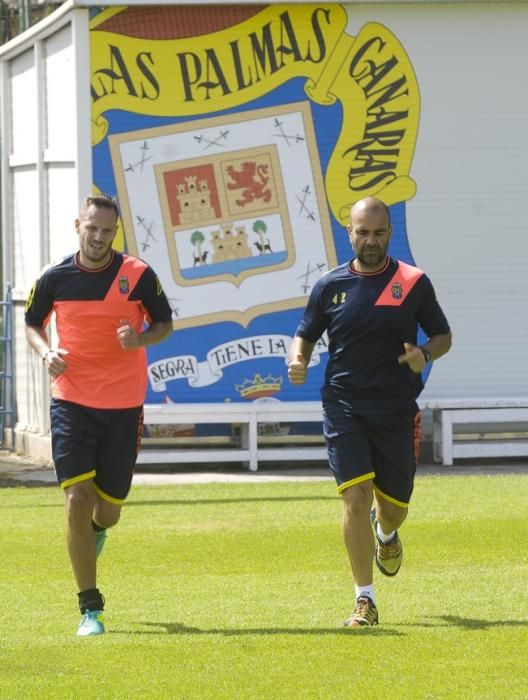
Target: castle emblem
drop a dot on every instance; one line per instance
(194, 198)
(230, 243)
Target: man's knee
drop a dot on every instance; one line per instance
(357, 499)
(389, 514)
(80, 500)
(107, 514)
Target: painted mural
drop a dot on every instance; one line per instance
(236, 139)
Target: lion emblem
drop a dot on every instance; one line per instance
(252, 179)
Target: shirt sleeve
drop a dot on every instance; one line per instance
(39, 304)
(313, 323)
(430, 315)
(153, 298)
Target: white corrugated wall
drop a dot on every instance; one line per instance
(467, 224)
(42, 183)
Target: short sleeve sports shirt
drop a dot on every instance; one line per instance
(89, 306)
(368, 317)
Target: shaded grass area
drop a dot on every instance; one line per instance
(239, 591)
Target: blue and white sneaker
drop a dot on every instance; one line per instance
(91, 623)
(100, 539)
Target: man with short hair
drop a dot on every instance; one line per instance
(371, 308)
(108, 307)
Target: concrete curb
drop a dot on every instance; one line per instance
(20, 471)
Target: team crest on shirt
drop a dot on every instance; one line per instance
(397, 291)
(124, 287)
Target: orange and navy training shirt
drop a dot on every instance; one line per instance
(89, 306)
(368, 317)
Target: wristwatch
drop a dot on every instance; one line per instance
(426, 354)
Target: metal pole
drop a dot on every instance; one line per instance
(24, 15)
(7, 387)
(10, 365)
(4, 22)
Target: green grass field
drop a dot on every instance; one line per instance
(239, 591)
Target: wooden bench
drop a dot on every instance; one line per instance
(475, 428)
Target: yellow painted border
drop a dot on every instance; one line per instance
(390, 499)
(353, 482)
(77, 479)
(106, 497)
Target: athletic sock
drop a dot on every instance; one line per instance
(366, 591)
(383, 537)
(90, 600)
(97, 528)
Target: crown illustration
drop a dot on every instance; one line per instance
(259, 386)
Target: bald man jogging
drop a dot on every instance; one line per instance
(371, 308)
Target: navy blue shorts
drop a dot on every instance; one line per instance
(379, 447)
(96, 443)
